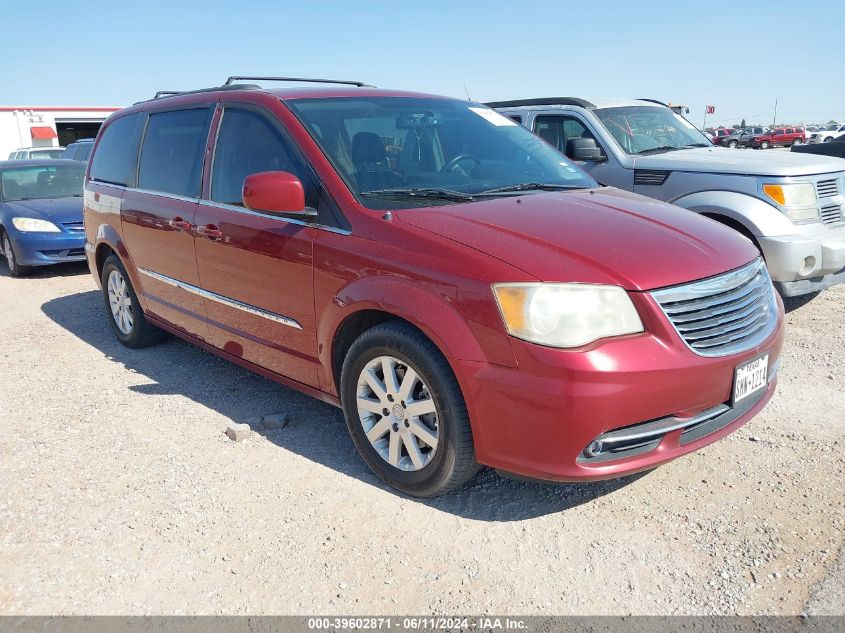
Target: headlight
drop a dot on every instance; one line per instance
(566, 315)
(798, 199)
(34, 225)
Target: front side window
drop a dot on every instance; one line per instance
(647, 129)
(41, 182)
(434, 150)
(248, 143)
(559, 131)
(172, 152)
(117, 151)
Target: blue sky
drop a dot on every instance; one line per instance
(738, 56)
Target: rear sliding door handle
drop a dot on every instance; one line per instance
(179, 224)
(211, 231)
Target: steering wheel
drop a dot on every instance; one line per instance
(450, 166)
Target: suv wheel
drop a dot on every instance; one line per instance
(15, 269)
(405, 411)
(765, 145)
(798, 141)
(828, 139)
(128, 321)
(733, 144)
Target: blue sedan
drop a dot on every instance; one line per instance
(41, 213)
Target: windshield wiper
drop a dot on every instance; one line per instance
(654, 150)
(697, 145)
(422, 192)
(529, 186)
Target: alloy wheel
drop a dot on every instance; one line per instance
(7, 251)
(120, 302)
(397, 413)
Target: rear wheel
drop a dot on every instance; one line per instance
(765, 145)
(127, 319)
(798, 141)
(405, 411)
(828, 139)
(15, 269)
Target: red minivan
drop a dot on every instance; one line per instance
(465, 293)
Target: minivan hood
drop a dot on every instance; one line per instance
(603, 236)
(723, 160)
(56, 210)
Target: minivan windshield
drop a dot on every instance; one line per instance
(650, 129)
(40, 182)
(403, 152)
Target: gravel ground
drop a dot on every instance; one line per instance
(122, 494)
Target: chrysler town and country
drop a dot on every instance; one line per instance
(465, 293)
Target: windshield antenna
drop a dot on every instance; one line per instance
(467, 92)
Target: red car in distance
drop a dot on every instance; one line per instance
(465, 293)
(778, 137)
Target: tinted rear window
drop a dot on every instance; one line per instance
(114, 160)
(171, 157)
(83, 151)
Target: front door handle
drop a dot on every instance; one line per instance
(179, 224)
(211, 231)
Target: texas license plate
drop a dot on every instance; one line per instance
(750, 377)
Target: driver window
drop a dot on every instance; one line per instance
(558, 130)
(249, 144)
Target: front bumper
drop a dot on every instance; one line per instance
(43, 249)
(805, 262)
(537, 419)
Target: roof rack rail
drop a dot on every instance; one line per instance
(515, 103)
(166, 93)
(360, 84)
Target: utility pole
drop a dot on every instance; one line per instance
(775, 118)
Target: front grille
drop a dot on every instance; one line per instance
(827, 188)
(832, 214)
(725, 314)
(74, 227)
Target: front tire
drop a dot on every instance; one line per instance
(15, 269)
(765, 145)
(405, 411)
(733, 144)
(828, 139)
(127, 319)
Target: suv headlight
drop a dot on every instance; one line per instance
(34, 225)
(797, 199)
(566, 314)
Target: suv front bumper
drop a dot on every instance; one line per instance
(806, 262)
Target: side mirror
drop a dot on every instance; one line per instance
(274, 191)
(584, 149)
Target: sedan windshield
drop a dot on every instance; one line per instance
(41, 181)
(403, 152)
(648, 129)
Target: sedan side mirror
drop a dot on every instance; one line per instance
(275, 192)
(584, 149)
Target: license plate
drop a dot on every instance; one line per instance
(750, 377)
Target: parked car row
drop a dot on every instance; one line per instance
(763, 137)
(468, 293)
(78, 150)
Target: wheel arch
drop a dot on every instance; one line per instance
(372, 300)
(755, 217)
